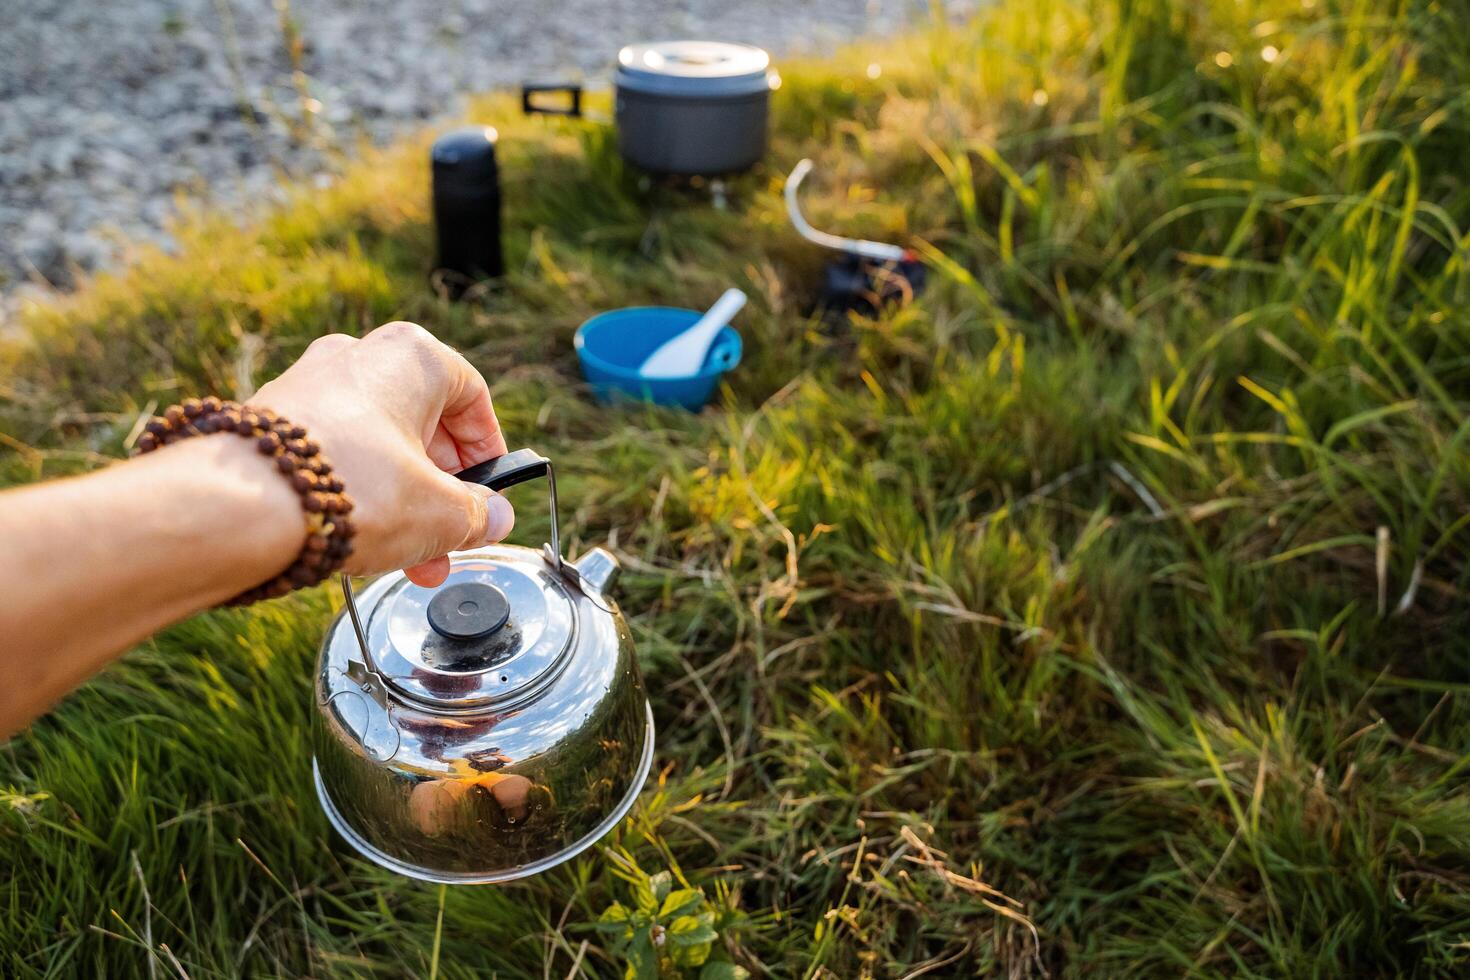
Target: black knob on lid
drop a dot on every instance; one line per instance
(468, 611)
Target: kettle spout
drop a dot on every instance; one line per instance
(597, 570)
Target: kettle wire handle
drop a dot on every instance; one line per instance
(511, 469)
(350, 597)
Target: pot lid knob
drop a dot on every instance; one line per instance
(468, 611)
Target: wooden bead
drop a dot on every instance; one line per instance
(304, 481)
(210, 403)
(297, 432)
(192, 407)
(174, 414)
(296, 447)
(157, 426)
(147, 442)
(314, 502)
(285, 464)
(269, 442)
(245, 427)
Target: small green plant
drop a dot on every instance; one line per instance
(668, 931)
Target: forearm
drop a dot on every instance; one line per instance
(95, 564)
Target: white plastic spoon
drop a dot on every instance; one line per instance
(683, 354)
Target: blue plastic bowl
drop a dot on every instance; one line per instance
(612, 346)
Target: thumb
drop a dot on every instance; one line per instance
(466, 515)
(478, 516)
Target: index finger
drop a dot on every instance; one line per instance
(469, 417)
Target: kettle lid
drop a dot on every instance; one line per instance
(494, 629)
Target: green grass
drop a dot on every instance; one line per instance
(1124, 574)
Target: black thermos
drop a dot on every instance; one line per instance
(467, 206)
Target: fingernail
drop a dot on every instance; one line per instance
(502, 517)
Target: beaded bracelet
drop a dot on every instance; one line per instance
(329, 532)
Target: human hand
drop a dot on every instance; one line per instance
(436, 804)
(397, 413)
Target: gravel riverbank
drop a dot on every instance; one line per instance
(109, 111)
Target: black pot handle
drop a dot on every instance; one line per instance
(530, 108)
(520, 466)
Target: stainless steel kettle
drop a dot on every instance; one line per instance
(487, 729)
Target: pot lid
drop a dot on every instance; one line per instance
(493, 630)
(694, 68)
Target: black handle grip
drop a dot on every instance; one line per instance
(508, 470)
(530, 108)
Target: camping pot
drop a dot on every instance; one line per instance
(685, 108)
(489, 728)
